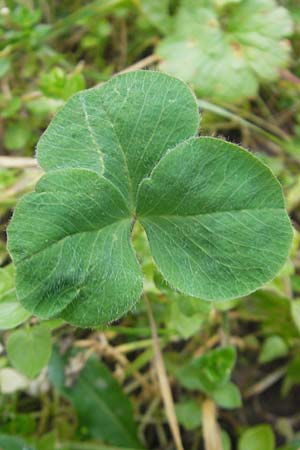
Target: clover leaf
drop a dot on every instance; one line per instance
(225, 48)
(127, 151)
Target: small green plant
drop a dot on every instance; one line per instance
(210, 374)
(128, 151)
(226, 48)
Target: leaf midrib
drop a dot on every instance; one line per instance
(151, 217)
(26, 258)
(193, 216)
(130, 186)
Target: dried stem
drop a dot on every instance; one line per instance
(17, 162)
(152, 59)
(211, 429)
(289, 76)
(163, 380)
(265, 383)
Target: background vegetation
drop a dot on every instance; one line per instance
(67, 388)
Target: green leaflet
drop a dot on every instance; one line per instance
(225, 48)
(214, 215)
(82, 252)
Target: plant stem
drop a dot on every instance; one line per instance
(17, 162)
(265, 382)
(163, 380)
(211, 429)
(205, 105)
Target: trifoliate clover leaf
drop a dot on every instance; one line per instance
(225, 48)
(125, 152)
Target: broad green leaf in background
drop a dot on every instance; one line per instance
(188, 414)
(260, 437)
(12, 313)
(16, 135)
(29, 349)
(225, 48)
(227, 396)
(126, 151)
(273, 347)
(99, 402)
(209, 371)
